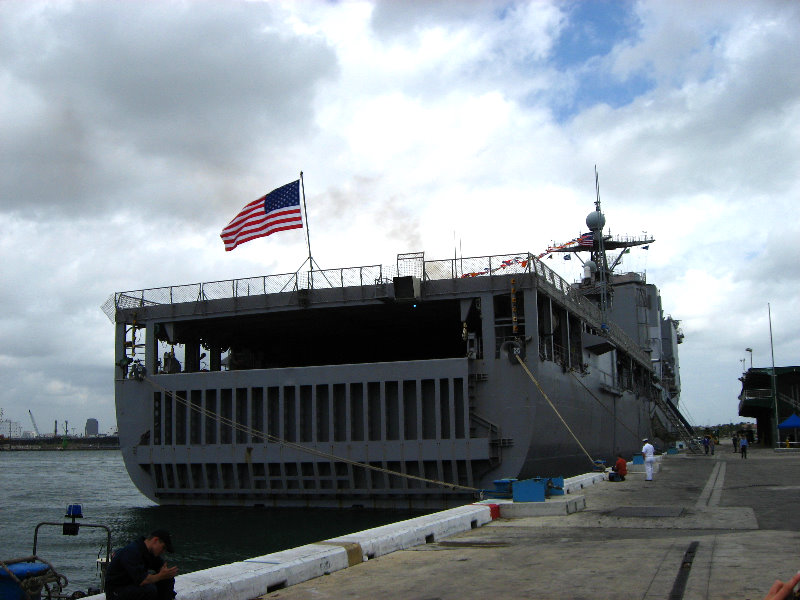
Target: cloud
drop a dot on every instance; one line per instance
(133, 132)
(176, 91)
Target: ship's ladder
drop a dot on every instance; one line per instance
(251, 431)
(680, 427)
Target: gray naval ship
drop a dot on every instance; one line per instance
(410, 386)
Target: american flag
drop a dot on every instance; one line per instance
(277, 211)
(587, 239)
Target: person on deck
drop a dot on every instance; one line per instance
(648, 452)
(137, 571)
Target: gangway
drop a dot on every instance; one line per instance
(679, 424)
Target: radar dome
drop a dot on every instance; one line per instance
(596, 220)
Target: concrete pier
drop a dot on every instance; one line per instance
(707, 527)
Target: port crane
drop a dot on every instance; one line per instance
(33, 421)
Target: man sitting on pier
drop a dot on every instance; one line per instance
(137, 571)
(619, 470)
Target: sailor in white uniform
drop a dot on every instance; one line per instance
(648, 452)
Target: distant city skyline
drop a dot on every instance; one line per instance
(15, 429)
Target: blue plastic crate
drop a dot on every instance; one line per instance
(529, 490)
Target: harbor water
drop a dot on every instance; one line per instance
(37, 486)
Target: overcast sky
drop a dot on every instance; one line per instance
(132, 132)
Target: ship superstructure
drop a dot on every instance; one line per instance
(378, 386)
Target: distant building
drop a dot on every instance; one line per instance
(92, 428)
(757, 401)
(10, 429)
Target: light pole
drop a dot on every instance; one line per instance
(774, 383)
(750, 350)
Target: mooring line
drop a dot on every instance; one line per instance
(555, 410)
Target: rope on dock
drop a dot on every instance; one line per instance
(295, 446)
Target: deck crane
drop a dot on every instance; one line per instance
(35, 428)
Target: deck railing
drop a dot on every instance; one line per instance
(453, 268)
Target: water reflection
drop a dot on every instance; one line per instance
(37, 486)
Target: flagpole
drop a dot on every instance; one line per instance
(308, 234)
(773, 382)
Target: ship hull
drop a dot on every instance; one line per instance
(394, 398)
(205, 465)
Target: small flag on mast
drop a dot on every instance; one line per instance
(277, 211)
(587, 239)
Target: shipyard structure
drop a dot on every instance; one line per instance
(409, 386)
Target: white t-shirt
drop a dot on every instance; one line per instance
(648, 450)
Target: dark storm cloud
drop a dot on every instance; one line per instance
(103, 95)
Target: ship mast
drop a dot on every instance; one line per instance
(595, 221)
(597, 282)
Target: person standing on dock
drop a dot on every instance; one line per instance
(648, 452)
(137, 571)
(743, 446)
(735, 443)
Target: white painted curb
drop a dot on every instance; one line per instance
(420, 530)
(577, 483)
(555, 506)
(257, 576)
